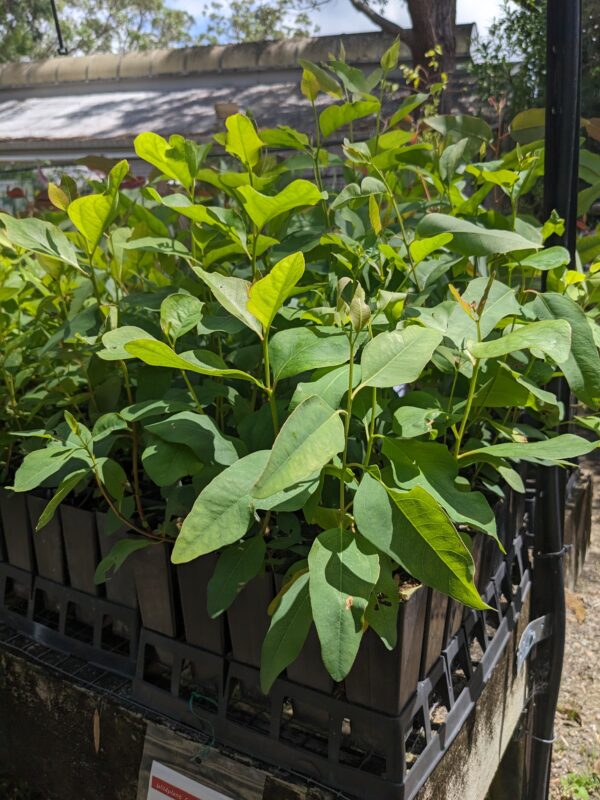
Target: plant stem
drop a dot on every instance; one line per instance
(135, 475)
(371, 437)
(346, 431)
(465, 418)
(269, 387)
(192, 392)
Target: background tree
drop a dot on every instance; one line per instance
(433, 23)
(90, 26)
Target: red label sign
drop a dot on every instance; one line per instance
(172, 791)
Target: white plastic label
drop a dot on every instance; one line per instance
(166, 783)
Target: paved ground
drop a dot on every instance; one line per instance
(576, 764)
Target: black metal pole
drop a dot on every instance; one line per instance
(62, 50)
(563, 64)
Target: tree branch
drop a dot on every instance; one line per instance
(386, 25)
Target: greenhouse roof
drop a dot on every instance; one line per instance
(63, 108)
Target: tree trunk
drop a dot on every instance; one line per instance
(433, 22)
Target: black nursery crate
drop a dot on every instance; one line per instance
(363, 750)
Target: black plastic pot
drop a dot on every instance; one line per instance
(47, 543)
(81, 547)
(200, 630)
(120, 587)
(435, 628)
(154, 586)
(17, 530)
(249, 620)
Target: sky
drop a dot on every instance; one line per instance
(338, 16)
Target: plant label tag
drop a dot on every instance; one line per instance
(166, 783)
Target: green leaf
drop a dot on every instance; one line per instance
(322, 81)
(430, 466)
(558, 449)
(582, 367)
(203, 362)
(382, 611)
(421, 248)
(352, 191)
(117, 556)
(112, 476)
(389, 60)
(168, 157)
(552, 337)
(412, 529)
(232, 294)
(198, 432)
(91, 216)
(166, 463)
(269, 293)
(179, 313)
(262, 208)
(40, 465)
(242, 140)
(64, 488)
(114, 342)
(297, 350)
(39, 237)
(309, 438)
(237, 565)
(222, 512)
(460, 125)
(396, 357)
(407, 107)
(158, 244)
(334, 117)
(473, 240)
(331, 387)
(549, 258)
(287, 633)
(528, 126)
(342, 574)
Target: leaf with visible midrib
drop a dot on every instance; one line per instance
(232, 294)
(287, 633)
(237, 565)
(473, 240)
(309, 438)
(412, 529)
(262, 208)
(396, 357)
(269, 293)
(342, 573)
(297, 350)
(552, 337)
(559, 448)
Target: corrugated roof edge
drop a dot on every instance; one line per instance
(361, 48)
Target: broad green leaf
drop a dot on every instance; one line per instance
(237, 565)
(166, 463)
(411, 421)
(549, 258)
(117, 556)
(334, 117)
(309, 438)
(112, 476)
(297, 350)
(168, 157)
(396, 357)
(40, 465)
(262, 208)
(287, 633)
(407, 107)
(269, 293)
(198, 432)
(179, 314)
(114, 342)
(528, 126)
(64, 488)
(203, 362)
(352, 191)
(39, 237)
(232, 294)
(342, 573)
(552, 337)
(223, 510)
(321, 81)
(430, 466)
(158, 244)
(460, 125)
(559, 448)
(330, 387)
(412, 529)
(421, 248)
(473, 240)
(91, 216)
(242, 140)
(582, 367)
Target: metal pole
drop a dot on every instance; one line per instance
(62, 50)
(563, 64)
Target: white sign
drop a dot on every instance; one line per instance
(166, 783)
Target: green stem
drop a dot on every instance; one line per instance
(371, 437)
(135, 476)
(269, 387)
(192, 392)
(465, 418)
(347, 431)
